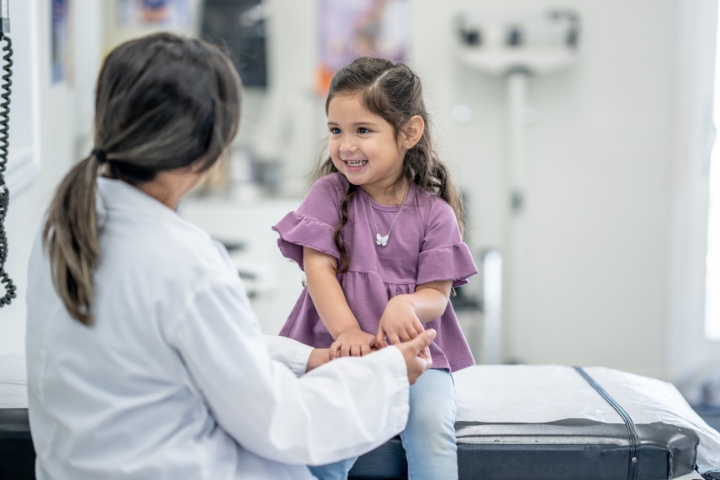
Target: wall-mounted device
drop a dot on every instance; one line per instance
(539, 42)
(4, 146)
(239, 26)
(516, 46)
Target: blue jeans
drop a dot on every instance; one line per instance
(429, 437)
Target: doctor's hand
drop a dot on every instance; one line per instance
(398, 323)
(352, 343)
(417, 354)
(318, 356)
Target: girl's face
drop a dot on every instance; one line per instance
(362, 145)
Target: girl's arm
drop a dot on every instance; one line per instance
(404, 314)
(331, 305)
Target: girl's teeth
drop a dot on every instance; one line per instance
(356, 164)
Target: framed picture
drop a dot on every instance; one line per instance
(354, 28)
(169, 13)
(61, 37)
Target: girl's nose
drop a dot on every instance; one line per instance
(348, 148)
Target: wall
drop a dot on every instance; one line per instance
(58, 129)
(597, 201)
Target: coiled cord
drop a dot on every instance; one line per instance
(4, 146)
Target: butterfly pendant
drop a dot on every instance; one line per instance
(382, 241)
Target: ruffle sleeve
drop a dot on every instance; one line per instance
(297, 232)
(313, 225)
(446, 263)
(444, 256)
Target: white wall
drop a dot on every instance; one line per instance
(600, 168)
(58, 151)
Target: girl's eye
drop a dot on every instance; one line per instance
(363, 130)
(334, 130)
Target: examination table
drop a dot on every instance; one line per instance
(513, 422)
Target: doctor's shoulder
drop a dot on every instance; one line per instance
(171, 252)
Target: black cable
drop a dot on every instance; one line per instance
(4, 146)
(633, 437)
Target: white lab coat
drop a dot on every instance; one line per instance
(175, 380)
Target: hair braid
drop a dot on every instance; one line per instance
(344, 264)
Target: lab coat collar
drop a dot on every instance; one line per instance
(117, 195)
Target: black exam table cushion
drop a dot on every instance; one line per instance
(570, 449)
(17, 455)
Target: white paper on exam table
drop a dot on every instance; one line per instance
(549, 393)
(13, 381)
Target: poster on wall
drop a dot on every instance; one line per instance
(355, 28)
(61, 32)
(168, 13)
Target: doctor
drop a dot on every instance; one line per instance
(144, 358)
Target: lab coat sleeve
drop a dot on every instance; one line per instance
(342, 409)
(289, 352)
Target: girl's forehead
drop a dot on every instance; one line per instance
(347, 106)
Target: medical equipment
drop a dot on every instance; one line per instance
(4, 144)
(517, 46)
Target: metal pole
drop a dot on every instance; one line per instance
(492, 307)
(517, 82)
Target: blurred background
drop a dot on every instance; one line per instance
(582, 134)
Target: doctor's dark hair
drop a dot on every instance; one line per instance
(162, 103)
(393, 92)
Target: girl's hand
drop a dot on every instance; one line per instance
(352, 343)
(399, 323)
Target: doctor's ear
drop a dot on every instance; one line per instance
(412, 132)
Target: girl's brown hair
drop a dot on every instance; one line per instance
(393, 92)
(162, 102)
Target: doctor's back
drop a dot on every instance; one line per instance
(115, 398)
(119, 347)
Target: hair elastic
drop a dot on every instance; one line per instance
(100, 155)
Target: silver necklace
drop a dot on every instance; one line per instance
(379, 239)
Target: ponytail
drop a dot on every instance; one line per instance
(70, 238)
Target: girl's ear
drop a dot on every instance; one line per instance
(413, 131)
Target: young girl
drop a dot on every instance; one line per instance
(379, 241)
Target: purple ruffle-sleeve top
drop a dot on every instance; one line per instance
(425, 245)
